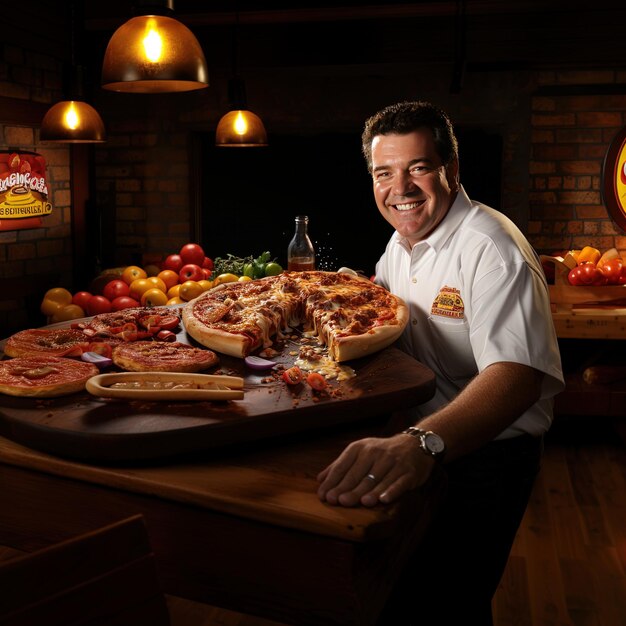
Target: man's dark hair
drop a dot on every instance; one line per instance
(406, 117)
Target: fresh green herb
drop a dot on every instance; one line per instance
(242, 266)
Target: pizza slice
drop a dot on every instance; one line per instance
(44, 376)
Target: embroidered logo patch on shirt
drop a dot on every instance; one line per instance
(448, 303)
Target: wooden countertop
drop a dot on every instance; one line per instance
(276, 484)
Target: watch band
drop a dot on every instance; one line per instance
(430, 443)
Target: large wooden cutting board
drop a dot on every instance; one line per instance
(110, 430)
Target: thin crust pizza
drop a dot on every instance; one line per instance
(44, 376)
(46, 341)
(157, 356)
(350, 315)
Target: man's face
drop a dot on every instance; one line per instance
(412, 188)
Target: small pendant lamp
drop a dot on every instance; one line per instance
(73, 120)
(154, 53)
(239, 128)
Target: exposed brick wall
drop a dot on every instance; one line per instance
(570, 135)
(142, 176)
(33, 260)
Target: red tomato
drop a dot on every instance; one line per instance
(612, 270)
(123, 302)
(316, 381)
(192, 253)
(167, 322)
(207, 264)
(585, 274)
(191, 271)
(172, 262)
(81, 298)
(166, 335)
(574, 276)
(100, 347)
(293, 375)
(115, 289)
(97, 305)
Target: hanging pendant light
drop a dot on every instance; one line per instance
(240, 128)
(73, 120)
(154, 53)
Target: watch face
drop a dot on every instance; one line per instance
(434, 443)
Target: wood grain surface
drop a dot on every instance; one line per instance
(85, 427)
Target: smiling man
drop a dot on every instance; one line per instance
(480, 319)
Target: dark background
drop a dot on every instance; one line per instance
(247, 194)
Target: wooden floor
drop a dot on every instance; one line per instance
(568, 563)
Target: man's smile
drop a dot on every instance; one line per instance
(407, 206)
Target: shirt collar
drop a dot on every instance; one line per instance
(447, 227)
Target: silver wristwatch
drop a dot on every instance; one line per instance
(431, 443)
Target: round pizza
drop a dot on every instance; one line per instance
(158, 356)
(46, 341)
(142, 321)
(350, 315)
(44, 376)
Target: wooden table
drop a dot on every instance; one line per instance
(239, 527)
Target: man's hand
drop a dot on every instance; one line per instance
(373, 470)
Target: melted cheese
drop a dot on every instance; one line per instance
(328, 368)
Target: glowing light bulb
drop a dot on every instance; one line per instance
(71, 117)
(240, 125)
(152, 43)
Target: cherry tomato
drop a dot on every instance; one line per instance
(166, 335)
(591, 275)
(189, 290)
(293, 375)
(167, 322)
(316, 381)
(192, 253)
(169, 278)
(128, 331)
(585, 274)
(81, 298)
(124, 302)
(97, 305)
(612, 270)
(115, 289)
(153, 297)
(133, 272)
(100, 347)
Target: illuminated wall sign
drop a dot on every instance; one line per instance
(23, 190)
(614, 179)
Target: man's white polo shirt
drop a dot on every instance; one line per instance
(477, 295)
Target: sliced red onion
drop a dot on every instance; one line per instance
(257, 363)
(97, 359)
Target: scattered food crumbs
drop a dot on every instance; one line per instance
(293, 353)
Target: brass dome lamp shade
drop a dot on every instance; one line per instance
(239, 128)
(154, 53)
(72, 121)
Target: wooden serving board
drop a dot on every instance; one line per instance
(89, 428)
